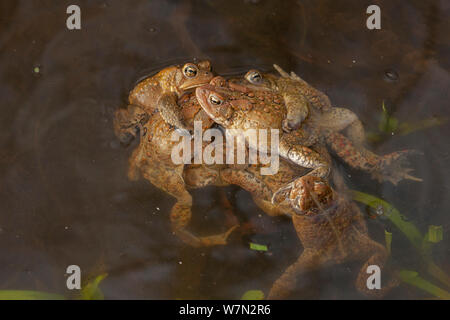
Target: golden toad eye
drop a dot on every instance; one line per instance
(254, 77)
(190, 71)
(215, 100)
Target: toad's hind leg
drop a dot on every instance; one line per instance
(338, 119)
(389, 167)
(286, 283)
(172, 182)
(376, 255)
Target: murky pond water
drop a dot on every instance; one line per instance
(64, 194)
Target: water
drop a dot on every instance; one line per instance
(64, 195)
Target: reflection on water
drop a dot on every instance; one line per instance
(64, 195)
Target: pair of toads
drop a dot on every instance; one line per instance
(331, 227)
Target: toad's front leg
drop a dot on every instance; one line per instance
(171, 112)
(304, 157)
(297, 110)
(247, 181)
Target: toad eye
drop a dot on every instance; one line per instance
(253, 77)
(215, 100)
(190, 70)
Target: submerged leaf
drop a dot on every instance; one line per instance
(28, 295)
(258, 247)
(434, 234)
(387, 123)
(253, 295)
(388, 240)
(413, 278)
(408, 229)
(91, 291)
(373, 137)
(390, 125)
(409, 127)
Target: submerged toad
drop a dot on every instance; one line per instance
(238, 109)
(304, 101)
(332, 231)
(152, 160)
(298, 95)
(330, 227)
(160, 93)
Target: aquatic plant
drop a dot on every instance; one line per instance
(422, 243)
(89, 291)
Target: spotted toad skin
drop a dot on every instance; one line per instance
(331, 228)
(160, 93)
(298, 95)
(151, 160)
(238, 107)
(332, 231)
(339, 127)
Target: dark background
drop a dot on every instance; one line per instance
(64, 195)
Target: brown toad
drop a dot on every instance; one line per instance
(331, 228)
(241, 111)
(332, 231)
(160, 92)
(322, 122)
(298, 95)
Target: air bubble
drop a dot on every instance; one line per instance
(379, 210)
(391, 75)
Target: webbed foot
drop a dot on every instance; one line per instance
(214, 240)
(393, 167)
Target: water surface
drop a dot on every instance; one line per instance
(64, 195)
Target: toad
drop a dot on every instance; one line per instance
(332, 231)
(234, 107)
(160, 93)
(241, 111)
(298, 95)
